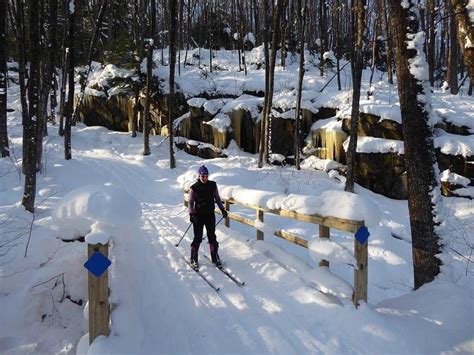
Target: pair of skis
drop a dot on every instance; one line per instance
(224, 271)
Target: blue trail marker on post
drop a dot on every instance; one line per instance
(362, 235)
(97, 264)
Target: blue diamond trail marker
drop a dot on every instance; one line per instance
(362, 235)
(97, 264)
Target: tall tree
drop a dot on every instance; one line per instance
(149, 76)
(357, 62)
(172, 64)
(338, 11)
(70, 96)
(388, 43)
(22, 73)
(278, 9)
(30, 126)
(431, 45)
(263, 122)
(420, 159)
(3, 80)
(50, 54)
(298, 114)
(452, 75)
(322, 35)
(465, 32)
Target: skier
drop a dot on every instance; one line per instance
(202, 196)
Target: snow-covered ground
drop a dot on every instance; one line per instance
(159, 305)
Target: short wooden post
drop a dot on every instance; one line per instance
(227, 208)
(260, 219)
(99, 313)
(325, 234)
(361, 272)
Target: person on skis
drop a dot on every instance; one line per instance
(202, 196)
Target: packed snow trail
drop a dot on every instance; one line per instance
(162, 306)
(159, 305)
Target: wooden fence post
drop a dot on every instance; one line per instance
(260, 219)
(98, 288)
(325, 234)
(361, 272)
(227, 208)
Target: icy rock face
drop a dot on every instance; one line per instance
(383, 173)
(112, 112)
(370, 125)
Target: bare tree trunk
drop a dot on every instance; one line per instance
(283, 23)
(210, 34)
(62, 94)
(298, 114)
(133, 122)
(338, 44)
(149, 77)
(322, 43)
(465, 31)
(188, 28)
(452, 76)
(357, 66)
(418, 141)
(374, 53)
(242, 40)
(263, 122)
(256, 22)
(271, 76)
(47, 83)
(388, 44)
(70, 96)
(172, 63)
(431, 47)
(53, 102)
(180, 35)
(22, 73)
(30, 126)
(4, 147)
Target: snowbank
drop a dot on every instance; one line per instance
(332, 203)
(95, 210)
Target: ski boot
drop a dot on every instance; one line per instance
(194, 258)
(214, 256)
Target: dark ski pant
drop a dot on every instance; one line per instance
(208, 221)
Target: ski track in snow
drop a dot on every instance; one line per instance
(249, 305)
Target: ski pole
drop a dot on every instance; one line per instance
(177, 244)
(219, 221)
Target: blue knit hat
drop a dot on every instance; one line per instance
(203, 170)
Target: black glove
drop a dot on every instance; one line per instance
(193, 218)
(224, 213)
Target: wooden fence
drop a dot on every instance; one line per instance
(98, 290)
(325, 223)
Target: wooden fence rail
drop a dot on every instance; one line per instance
(324, 222)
